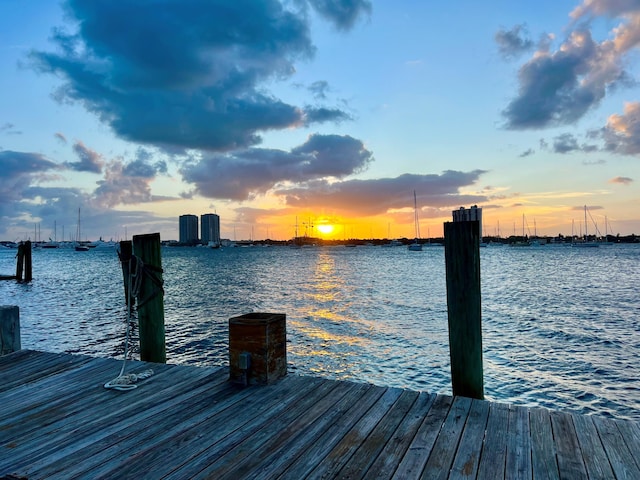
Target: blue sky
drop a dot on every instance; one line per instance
(326, 111)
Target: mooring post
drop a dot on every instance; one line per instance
(28, 275)
(462, 258)
(150, 299)
(126, 252)
(20, 261)
(9, 329)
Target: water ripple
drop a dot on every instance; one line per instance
(557, 331)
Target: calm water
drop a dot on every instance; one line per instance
(561, 326)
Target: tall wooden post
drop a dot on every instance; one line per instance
(28, 275)
(150, 299)
(20, 261)
(126, 252)
(462, 257)
(9, 329)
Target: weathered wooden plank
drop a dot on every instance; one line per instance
(342, 452)
(620, 457)
(107, 453)
(444, 450)
(570, 462)
(315, 452)
(189, 422)
(467, 459)
(8, 361)
(518, 460)
(29, 398)
(188, 453)
(37, 368)
(87, 397)
(631, 434)
(593, 454)
(364, 457)
(494, 449)
(245, 458)
(72, 427)
(420, 449)
(280, 459)
(543, 450)
(388, 461)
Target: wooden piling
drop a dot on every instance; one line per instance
(150, 299)
(126, 252)
(462, 257)
(28, 275)
(20, 261)
(9, 329)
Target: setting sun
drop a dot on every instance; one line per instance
(325, 229)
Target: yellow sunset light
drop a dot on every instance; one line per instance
(325, 229)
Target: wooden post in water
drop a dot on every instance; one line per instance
(462, 258)
(20, 261)
(126, 252)
(150, 299)
(28, 275)
(9, 329)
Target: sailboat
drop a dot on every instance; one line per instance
(585, 242)
(524, 242)
(79, 246)
(415, 246)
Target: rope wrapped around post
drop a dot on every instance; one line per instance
(136, 272)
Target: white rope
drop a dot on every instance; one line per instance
(127, 382)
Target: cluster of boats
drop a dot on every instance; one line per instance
(78, 246)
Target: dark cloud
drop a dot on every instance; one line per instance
(187, 74)
(321, 115)
(568, 143)
(319, 89)
(558, 88)
(18, 171)
(145, 165)
(243, 174)
(622, 180)
(342, 13)
(622, 132)
(89, 160)
(527, 153)
(513, 42)
(379, 196)
(60, 137)
(551, 90)
(565, 143)
(130, 183)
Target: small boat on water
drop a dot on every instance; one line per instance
(79, 246)
(585, 243)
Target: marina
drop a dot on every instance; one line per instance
(58, 421)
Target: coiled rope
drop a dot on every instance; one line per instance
(125, 382)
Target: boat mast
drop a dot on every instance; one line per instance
(586, 235)
(415, 215)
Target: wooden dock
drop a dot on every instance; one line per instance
(57, 421)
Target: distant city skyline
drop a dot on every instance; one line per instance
(320, 116)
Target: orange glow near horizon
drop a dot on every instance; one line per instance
(504, 221)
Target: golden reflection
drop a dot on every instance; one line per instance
(328, 333)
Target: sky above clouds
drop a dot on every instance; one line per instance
(317, 111)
